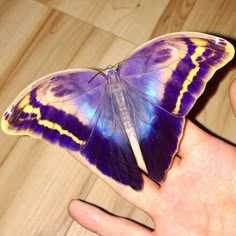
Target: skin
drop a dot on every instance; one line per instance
(198, 197)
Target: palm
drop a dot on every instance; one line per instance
(197, 198)
(198, 192)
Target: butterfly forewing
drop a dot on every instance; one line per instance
(173, 70)
(60, 108)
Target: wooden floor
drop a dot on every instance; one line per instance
(39, 37)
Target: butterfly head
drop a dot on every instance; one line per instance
(111, 69)
(112, 74)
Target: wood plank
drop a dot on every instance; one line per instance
(14, 40)
(132, 20)
(173, 17)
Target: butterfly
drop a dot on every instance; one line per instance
(130, 114)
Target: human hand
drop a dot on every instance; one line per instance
(197, 198)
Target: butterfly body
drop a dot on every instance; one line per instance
(116, 90)
(127, 116)
(124, 109)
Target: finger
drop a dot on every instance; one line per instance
(144, 199)
(102, 223)
(232, 94)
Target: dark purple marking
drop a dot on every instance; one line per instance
(204, 65)
(195, 86)
(161, 144)
(6, 115)
(57, 88)
(208, 52)
(191, 46)
(178, 77)
(216, 58)
(186, 101)
(164, 52)
(64, 92)
(23, 115)
(29, 124)
(52, 135)
(161, 59)
(157, 56)
(222, 42)
(33, 116)
(199, 59)
(203, 71)
(69, 143)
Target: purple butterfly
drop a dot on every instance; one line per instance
(127, 116)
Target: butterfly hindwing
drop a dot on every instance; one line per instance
(157, 131)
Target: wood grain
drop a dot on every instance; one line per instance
(37, 180)
(119, 17)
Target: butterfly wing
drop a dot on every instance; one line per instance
(174, 69)
(59, 108)
(72, 110)
(170, 73)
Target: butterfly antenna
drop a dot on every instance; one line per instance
(99, 72)
(115, 65)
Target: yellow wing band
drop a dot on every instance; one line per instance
(25, 106)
